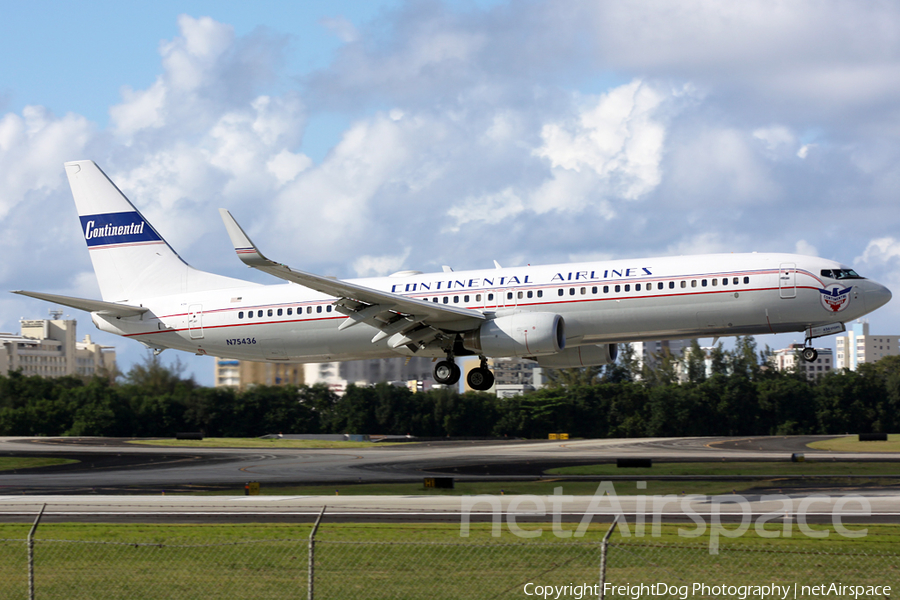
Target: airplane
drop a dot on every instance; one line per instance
(563, 315)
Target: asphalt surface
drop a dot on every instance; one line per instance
(117, 466)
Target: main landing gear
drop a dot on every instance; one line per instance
(446, 372)
(480, 378)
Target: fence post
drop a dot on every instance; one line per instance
(312, 557)
(603, 546)
(31, 553)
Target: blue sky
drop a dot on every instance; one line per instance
(433, 133)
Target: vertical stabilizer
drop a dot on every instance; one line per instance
(131, 260)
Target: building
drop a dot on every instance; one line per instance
(245, 373)
(650, 354)
(512, 376)
(412, 372)
(415, 373)
(858, 346)
(788, 359)
(49, 348)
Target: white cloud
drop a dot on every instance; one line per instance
(880, 251)
(33, 148)
(805, 248)
(490, 208)
(619, 139)
(374, 266)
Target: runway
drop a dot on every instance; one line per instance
(116, 466)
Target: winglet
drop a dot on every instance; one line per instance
(245, 249)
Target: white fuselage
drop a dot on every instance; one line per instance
(601, 302)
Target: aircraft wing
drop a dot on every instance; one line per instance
(105, 308)
(391, 313)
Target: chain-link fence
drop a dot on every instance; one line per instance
(278, 567)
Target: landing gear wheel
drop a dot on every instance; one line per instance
(480, 379)
(446, 372)
(809, 354)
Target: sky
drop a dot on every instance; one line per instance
(361, 138)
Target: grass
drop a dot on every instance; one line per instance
(851, 443)
(258, 443)
(119, 561)
(13, 463)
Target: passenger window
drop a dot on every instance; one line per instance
(637, 287)
(446, 299)
(703, 283)
(618, 288)
(455, 299)
(308, 309)
(724, 281)
(328, 308)
(671, 285)
(627, 287)
(240, 314)
(477, 297)
(693, 283)
(734, 281)
(290, 311)
(659, 285)
(520, 295)
(279, 312)
(435, 299)
(466, 298)
(540, 293)
(594, 290)
(583, 291)
(560, 291)
(269, 312)
(490, 297)
(509, 295)
(318, 309)
(746, 280)
(259, 314)
(530, 294)
(605, 289)
(715, 282)
(684, 284)
(571, 291)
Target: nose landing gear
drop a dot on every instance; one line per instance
(809, 354)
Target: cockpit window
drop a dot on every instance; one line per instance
(841, 274)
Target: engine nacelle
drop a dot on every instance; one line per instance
(580, 356)
(519, 334)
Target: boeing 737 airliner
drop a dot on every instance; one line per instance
(567, 315)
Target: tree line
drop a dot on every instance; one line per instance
(735, 392)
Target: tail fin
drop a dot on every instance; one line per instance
(131, 260)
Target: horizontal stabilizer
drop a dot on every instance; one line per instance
(105, 308)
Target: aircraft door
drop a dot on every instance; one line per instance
(195, 321)
(787, 280)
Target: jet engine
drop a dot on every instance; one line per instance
(519, 334)
(580, 356)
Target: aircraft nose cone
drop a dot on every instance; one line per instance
(877, 297)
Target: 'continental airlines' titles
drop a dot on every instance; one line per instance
(518, 280)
